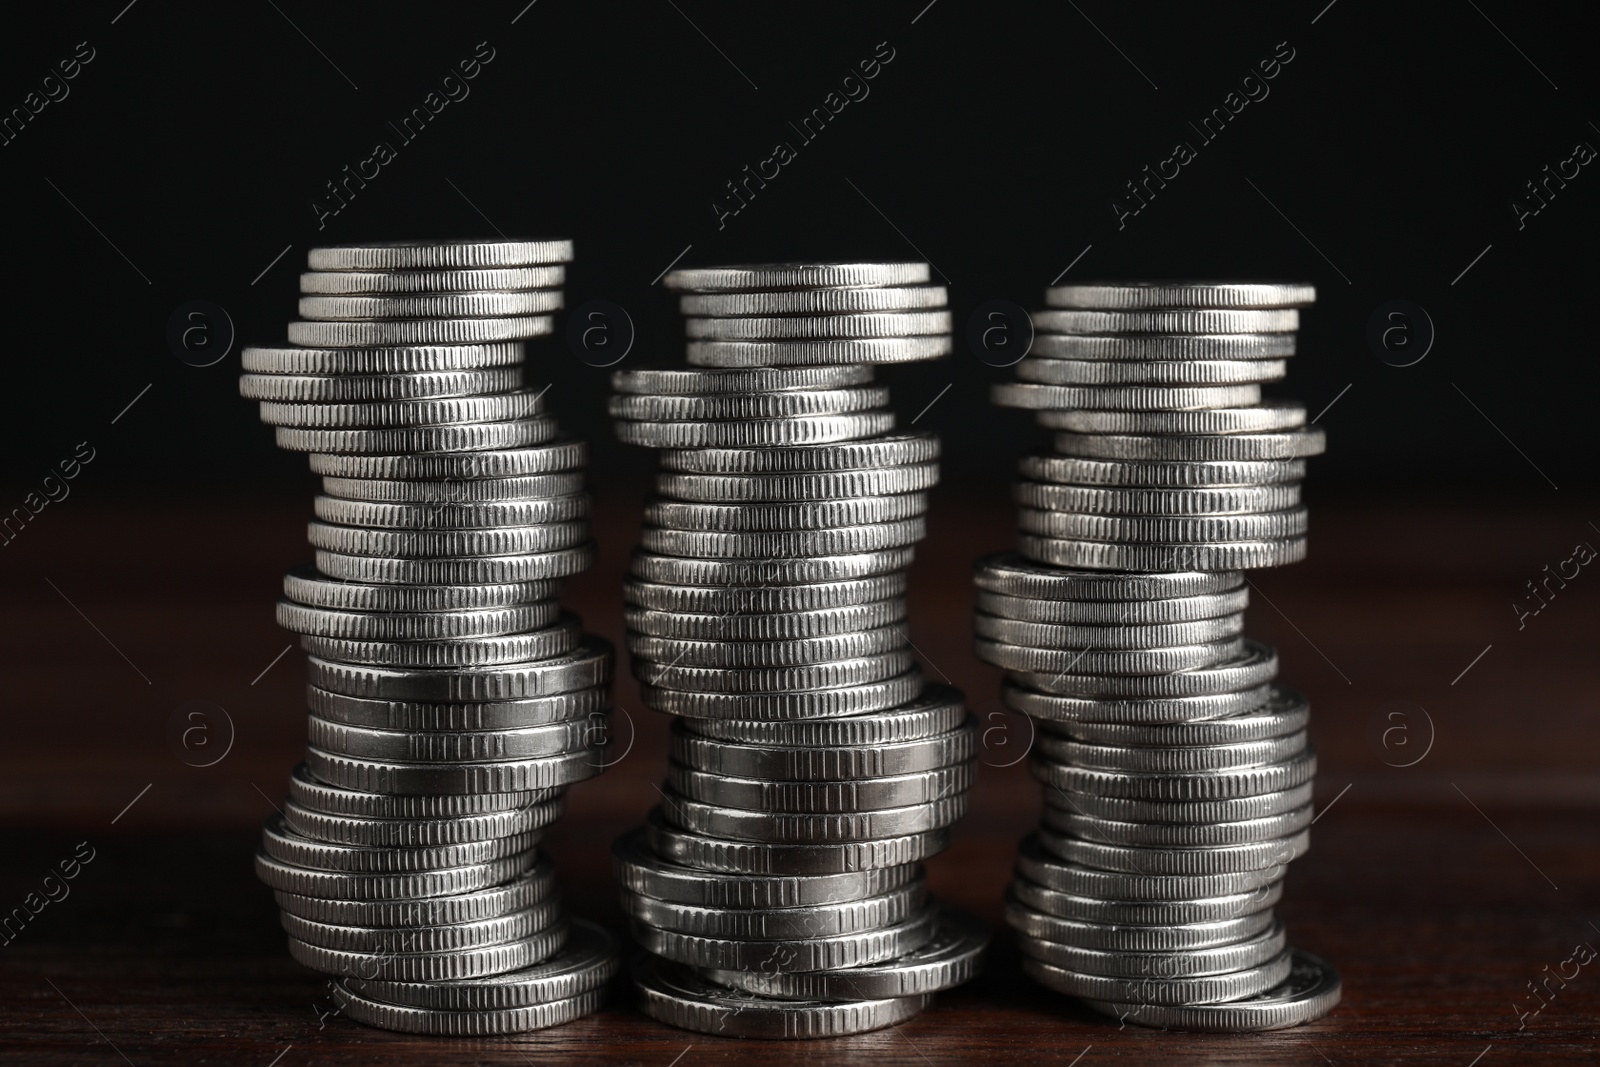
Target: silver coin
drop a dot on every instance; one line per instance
(1237, 447)
(738, 824)
(1097, 372)
(640, 870)
(759, 544)
(748, 681)
(1151, 917)
(891, 450)
(1117, 937)
(780, 924)
(1122, 398)
(1106, 638)
(1199, 785)
(534, 885)
(1074, 470)
(1183, 321)
(1144, 662)
(588, 960)
(280, 841)
(459, 437)
(762, 276)
(1311, 990)
(429, 544)
(1166, 529)
(1181, 835)
(587, 704)
(779, 405)
(487, 1022)
(455, 492)
(1175, 759)
(796, 430)
(1175, 991)
(865, 350)
(1255, 666)
(331, 389)
(588, 665)
(800, 954)
(829, 301)
(1117, 613)
(490, 463)
(748, 857)
(455, 937)
(306, 790)
(778, 626)
(815, 798)
(558, 639)
(464, 305)
(676, 995)
(1160, 966)
(1009, 574)
(431, 966)
(501, 776)
(305, 585)
(1266, 417)
(819, 327)
(1099, 500)
(431, 281)
(952, 957)
(816, 704)
(396, 359)
(1284, 712)
(811, 515)
(824, 486)
(761, 599)
(1189, 860)
(440, 411)
(1052, 709)
(382, 332)
(940, 708)
(467, 746)
(411, 626)
(794, 652)
(433, 255)
(404, 885)
(479, 515)
(1212, 556)
(1186, 812)
(1164, 346)
(490, 569)
(831, 764)
(694, 381)
(1180, 294)
(1051, 872)
(411, 833)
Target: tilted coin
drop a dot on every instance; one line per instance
(1039, 866)
(811, 829)
(489, 463)
(410, 626)
(1104, 638)
(953, 956)
(778, 626)
(465, 492)
(1205, 556)
(465, 280)
(428, 544)
(1266, 417)
(589, 704)
(1160, 966)
(800, 954)
(587, 666)
(762, 276)
(1198, 785)
(1135, 991)
(1256, 665)
(823, 486)
(1146, 915)
(1180, 294)
(1117, 937)
(1203, 448)
(439, 411)
(1117, 613)
(1011, 575)
(819, 327)
(750, 857)
(676, 995)
(283, 843)
(891, 450)
(855, 699)
(558, 639)
(1075, 470)
(1310, 991)
(1164, 346)
(431, 255)
(778, 405)
(394, 359)
(1052, 709)
(1284, 713)
(345, 308)
(457, 437)
(1139, 372)
(867, 350)
(529, 888)
(1188, 321)
(695, 381)
(1168, 529)
(1035, 397)
(404, 885)
(1182, 835)
(793, 652)
(329, 389)
(761, 599)
(465, 746)
(1099, 500)
(804, 798)
(431, 966)
(831, 764)
(484, 1022)
(780, 924)
(465, 571)
(775, 680)
(500, 776)
(747, 544)
(938, 709)
(1145, 662)
(409, 833)
(454, 937)
(794, 430)
(816, 514)
(814, 301)
(305, 585)
(1174, 859)
(1176, 758)
(1185, 811)
(379, 332)
(749, 572)
(316, 795)
(479, 515)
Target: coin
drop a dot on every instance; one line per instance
(1266, 417)
(837, 919)
(326, 389)
(760, 276)
(694, 381)
(458, 437)
(802, 954)
(1247, 447)
(1179, 321)
(431, 281)
(461, 305)
(427, 255)
(439, 411)
(488, 463)
(1092, 372)
(1169, 475)
(480, 1022)
(1228, 555)
(825, 486)
(1310, 991)
(818, 353)
(1123, 398)
(391, 359)
(819, 327)
(832, 764)
(1099, 500)
(381, 332)
(831, 300)
(786, 404)
(799, 429)
(1167, 346)
(1180, 294)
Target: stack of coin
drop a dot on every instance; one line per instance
(1177, 778)
(451, 700)
(779, 888)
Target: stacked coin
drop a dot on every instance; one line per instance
(779, 888)
(451, 700)
(1177, 778)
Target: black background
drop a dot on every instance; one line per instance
(992, 145)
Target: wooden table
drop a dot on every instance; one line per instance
(1439, 889)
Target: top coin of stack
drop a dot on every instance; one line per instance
(451, 700)
(779, 887)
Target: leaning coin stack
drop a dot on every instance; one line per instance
(1177, 778)
(451, 700)
(779, 887)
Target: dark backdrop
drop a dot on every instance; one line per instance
(1385, 159)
